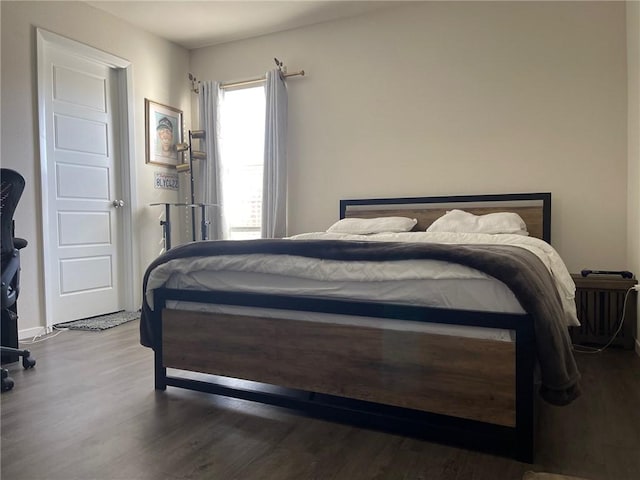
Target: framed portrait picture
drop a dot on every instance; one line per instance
(163, 130)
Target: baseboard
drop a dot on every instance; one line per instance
(29, 333)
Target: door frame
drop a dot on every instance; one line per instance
(127, 172)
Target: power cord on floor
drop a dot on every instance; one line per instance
(586, 349)
(44, 336)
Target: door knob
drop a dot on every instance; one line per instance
(118, 203)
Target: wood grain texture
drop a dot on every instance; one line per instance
(603, 282)
(88, 410)
(427, 214)
(462, 377)
(549, 476)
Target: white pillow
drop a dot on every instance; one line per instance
(364, 226)
(460, 221)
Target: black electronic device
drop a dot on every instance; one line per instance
(622, 273)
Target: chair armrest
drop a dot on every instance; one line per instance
(19, 243)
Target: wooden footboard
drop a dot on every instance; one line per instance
(467, 391)
(462, 377)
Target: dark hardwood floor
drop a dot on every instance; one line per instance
(89, 411)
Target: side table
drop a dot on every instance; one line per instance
(600, 303)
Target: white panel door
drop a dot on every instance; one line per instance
(83, 219)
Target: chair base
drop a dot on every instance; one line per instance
(9, 334)
(27, 362)
(7, 381)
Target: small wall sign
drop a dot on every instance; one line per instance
(166, 181)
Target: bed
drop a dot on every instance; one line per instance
(461, 368)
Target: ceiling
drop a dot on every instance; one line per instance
(195, 24)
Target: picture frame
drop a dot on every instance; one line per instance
(163, 130)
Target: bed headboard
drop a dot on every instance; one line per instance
(534, 208)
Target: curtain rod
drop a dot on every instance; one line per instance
(242, 83)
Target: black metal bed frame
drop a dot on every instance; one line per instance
(543, 197)
(516, 442)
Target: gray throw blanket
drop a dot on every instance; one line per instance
(522, 271)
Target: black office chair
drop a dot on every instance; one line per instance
(12, 187)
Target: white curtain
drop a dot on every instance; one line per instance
(274, 191)
(209, 181)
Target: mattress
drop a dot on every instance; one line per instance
(454, 287)
(458, 289)
(431, 283)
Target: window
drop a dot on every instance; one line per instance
(242, 114)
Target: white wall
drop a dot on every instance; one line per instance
(159, 73)
(633, 207)
(457, 98)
